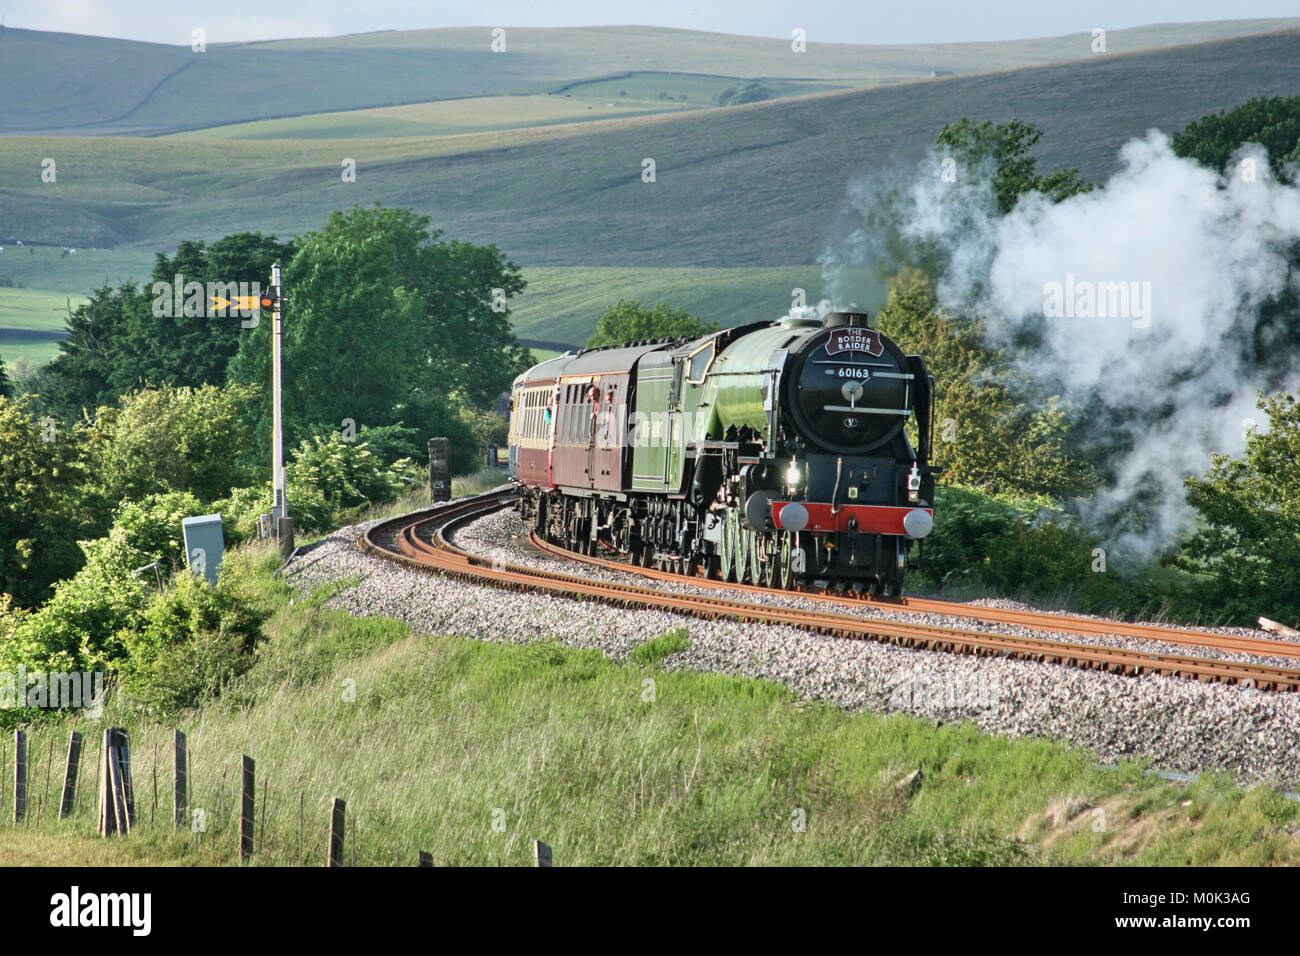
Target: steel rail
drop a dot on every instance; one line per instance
(1038, 620)
(419, 541)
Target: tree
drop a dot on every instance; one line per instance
(172, 440)
(131, 337)
(1249, 541)
(83, 375)
(6, 387)
(1005, 148)
(1274, 123)
(987, 434)
(177, 348)
(750, 93)
(1271, 121)
(389, 324)
(985, 169)
(42, 512)
(633, 322)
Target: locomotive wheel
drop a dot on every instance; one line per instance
(756, 567)
(772, 572)
(784, 564)
(727, 550)
(741, 559)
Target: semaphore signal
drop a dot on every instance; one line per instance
(268, 301)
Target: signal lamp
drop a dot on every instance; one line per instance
(270, 299)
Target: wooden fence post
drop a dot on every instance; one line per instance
(68, 802)
(117, 797)
(336, 833)
(124, 745)
(107, 811)
(425, 859)
(248, 813)
(542, 852)
(20, 776)
(181, 781)
(49, 765)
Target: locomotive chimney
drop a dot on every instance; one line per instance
(852, 319)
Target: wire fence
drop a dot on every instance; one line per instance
(168, 792)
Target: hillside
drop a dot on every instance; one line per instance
(752, 185)
(97, 85)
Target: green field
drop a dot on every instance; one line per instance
(631, 94)
(27, 317)
(691, 88)
(438, 118)
(564, 304)
(85, 87)
(45, 267)
(469, 750)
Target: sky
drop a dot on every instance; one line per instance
(843, 21)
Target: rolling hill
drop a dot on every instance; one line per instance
(744, 199)
(754, 185)
(97, 85)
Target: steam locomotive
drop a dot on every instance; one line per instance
(775, 453)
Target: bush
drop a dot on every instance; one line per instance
(1028, 547)
(240, 512)
(43, 508)
(349, 476)
(172, 439)
(967, 526)
(194, 639)
(150, 529)
(79, 627)
(1046, 558)
(93, 619)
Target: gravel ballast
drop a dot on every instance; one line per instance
(1181, 725)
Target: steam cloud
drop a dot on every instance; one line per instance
(1195, 255)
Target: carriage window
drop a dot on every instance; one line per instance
(700, 363)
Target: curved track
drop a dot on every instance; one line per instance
(1038, 620)
(418, 540)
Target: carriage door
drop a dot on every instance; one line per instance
(592, 407)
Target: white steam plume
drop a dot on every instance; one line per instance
(1143, 291)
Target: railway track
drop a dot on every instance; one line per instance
(419, 541)
(1038, 620)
